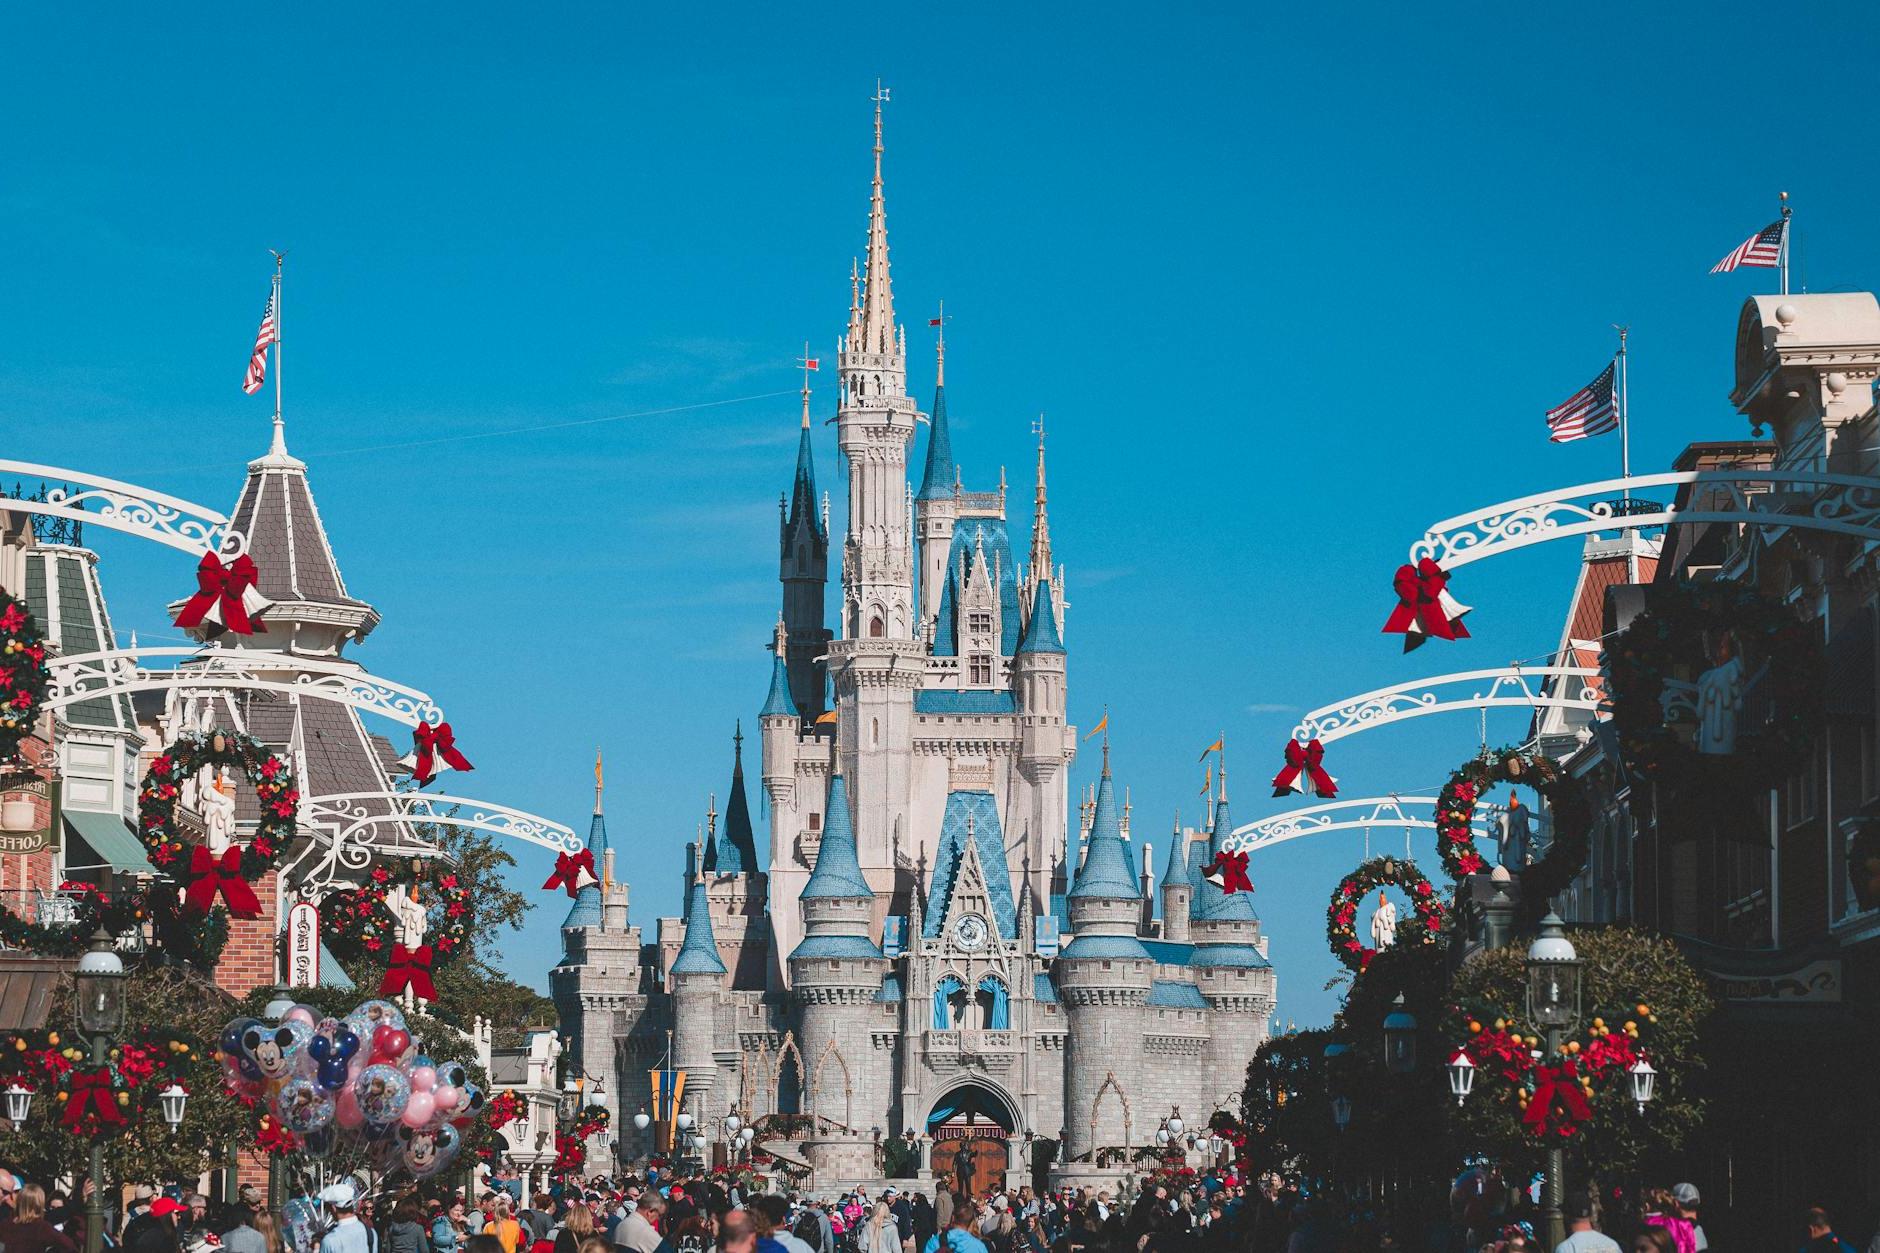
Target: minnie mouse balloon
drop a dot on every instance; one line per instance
(427, 1151)
(382, 1091)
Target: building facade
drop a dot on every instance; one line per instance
(926, 944)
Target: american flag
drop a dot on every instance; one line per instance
(1763, 249)
(258, 362)
(1589, 411)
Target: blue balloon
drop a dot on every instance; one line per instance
(333, 1074)
(345, 1044)
(320, 1047)
(231, 1038)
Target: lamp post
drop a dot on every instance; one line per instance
(1554, 976)
(1400, 1039)
(99, 990)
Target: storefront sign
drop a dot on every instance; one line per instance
(23, 797)
(1817, 983)
(303, 945)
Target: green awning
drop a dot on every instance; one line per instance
(108, 837)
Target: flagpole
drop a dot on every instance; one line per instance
(1784, 251)
(280, 430)
(1625, 459)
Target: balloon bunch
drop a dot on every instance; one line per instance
(357, 1081)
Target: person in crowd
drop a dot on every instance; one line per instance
(503, 1225)
(772, 1215)
(1662, 1211)
(737, 1233)
(1582, 1235)
(639, 1230)
(483, 1243)
(1821, 1235)
(449, 1227)
(577, 1225)
(406, 1233)
(348, 1234)
(958, 1236)
(878, 1234)
(239, 1233)
(923, 1224)
(1686, 1198)
(268, 1227)
(27, 1231)
(537, 1219)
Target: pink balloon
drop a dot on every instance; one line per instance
(357, 1065)
(446, 1097)
(419, 1107)
(346, 1109)
(423, 1078)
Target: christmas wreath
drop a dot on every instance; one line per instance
(1342, 913)
(1566, 800)
(23, 674)
(1555, 1095)
(591, 1120)
(1752, 644)
(358, 923)
(204, 875)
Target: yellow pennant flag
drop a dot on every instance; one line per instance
(1102, 723)
(1212, 748)
(1207, 784)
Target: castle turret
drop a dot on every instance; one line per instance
(1230, 969)
(803, 568)
(935, 504)
(1178, 887)
(1103, 976)
(695, 980)
(837, 969)
(1046, 745)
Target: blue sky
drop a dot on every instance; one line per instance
(1289, 285)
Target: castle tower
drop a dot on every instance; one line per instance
(1103, 975)
(836, 972)
(694, 981)
(736, 884)
(1231, 971)
(1045, 742)
(878, 661)
(803, 568)
(1178, 887)
(935, 506)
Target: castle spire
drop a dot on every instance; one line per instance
(1041, 523)
(597, 782)
(877, 321)
(940, 348)
(937, 479)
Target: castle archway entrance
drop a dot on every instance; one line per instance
(971, 1125)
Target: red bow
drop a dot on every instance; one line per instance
(434, 744)
(225, 597)
(1305, 759)
(1231, 867)
(1425, 609)
(92, 1090)
(1556, 1083)
(207, 877)
(411, 968)
(573, 873)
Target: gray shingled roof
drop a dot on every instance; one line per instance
(285, 535)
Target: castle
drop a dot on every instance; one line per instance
(919, 949)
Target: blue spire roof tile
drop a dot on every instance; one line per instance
(1041, 633)
(989, 840)
(1105, 872)
(936, 482)
(778, 702)
(698, 955)
(838, 870)
(1210, 902)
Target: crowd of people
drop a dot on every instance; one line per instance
(681, 1212)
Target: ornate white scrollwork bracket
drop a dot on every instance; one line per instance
(1514, 687)
(125, 507)
(93, 676)
(352, 828)
(1843, 504)
(1406, 812)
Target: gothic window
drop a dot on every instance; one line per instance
(815, 822)
(979, 622)
(876, 627)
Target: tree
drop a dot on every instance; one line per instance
(1633, 981)
(173, 998)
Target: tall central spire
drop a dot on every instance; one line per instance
(876, 332)
(1041, 524)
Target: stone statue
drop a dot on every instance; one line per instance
(1516, 832)
(217, 802)
(1383, 923)
(1720, 692)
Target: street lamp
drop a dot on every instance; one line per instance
(642, 1120)
(1175, 1123)
(1644, 1081)
(1341, 1111)
(98, 987)
(1554, 976)
(683, 1121)
(1400, 1039)
(19, 1103)
(1461, 1076)
(174, 1099)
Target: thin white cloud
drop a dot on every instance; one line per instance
(1265, 708)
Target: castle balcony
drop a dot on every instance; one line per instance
(969, 1048)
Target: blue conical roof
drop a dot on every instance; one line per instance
(1041, 633)
(936, 483)
(838, 871)
(1210, 902)
(779, 701)
(803, 490)
(1175, 871)
(1105, 872)
(734, 851)
(585, 911)
(699, 954)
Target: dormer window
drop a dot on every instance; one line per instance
(979, 667)
(979, 622)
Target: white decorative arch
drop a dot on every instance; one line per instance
(119, 671)
(1405, 812)
(1842, 504)
(1512, 687)
(125, 507)
(351, 824)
